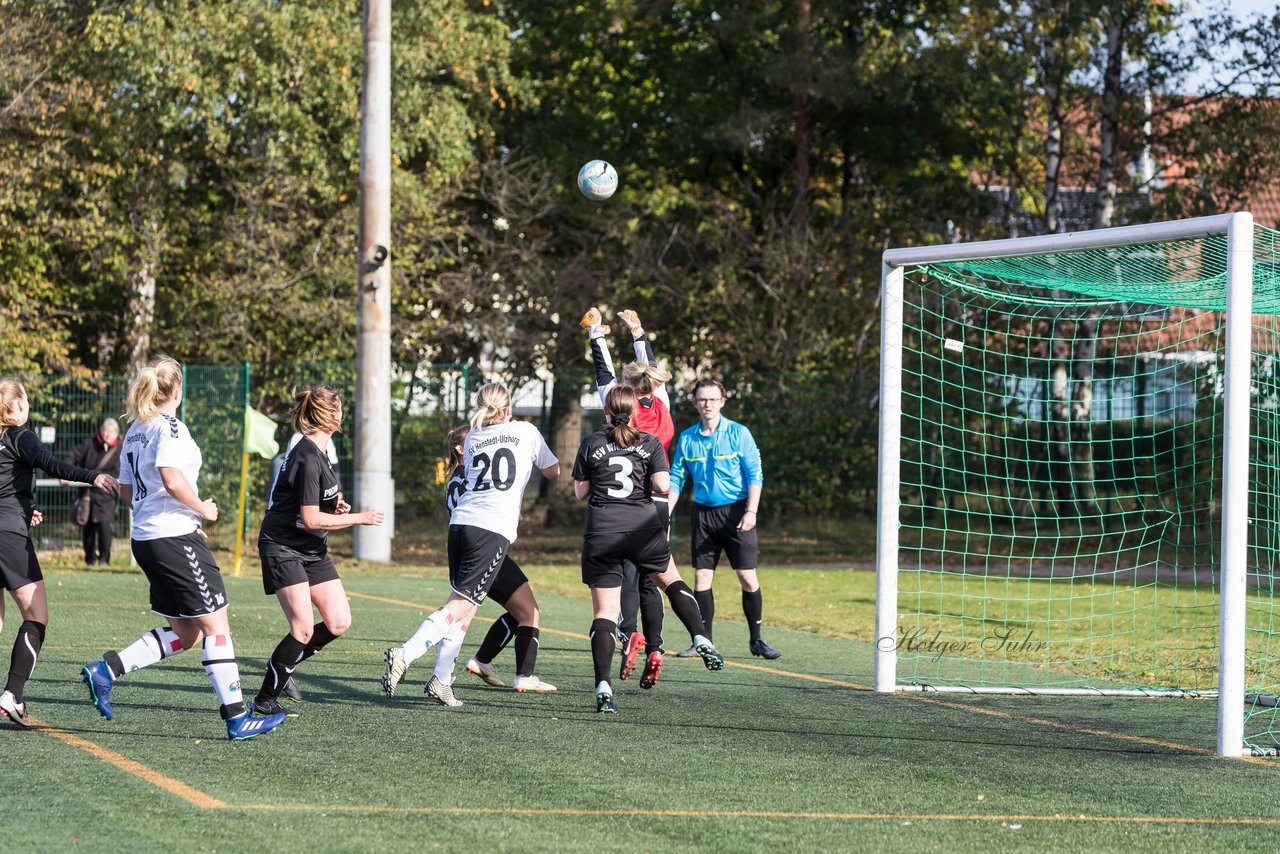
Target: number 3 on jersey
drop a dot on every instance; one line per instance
(502, 467)
(621, 468)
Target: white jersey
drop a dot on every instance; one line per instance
(498, 461)
(161, 441)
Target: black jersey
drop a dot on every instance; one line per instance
(620, 481)
(455, 487)
(21, 453)
(306, 479)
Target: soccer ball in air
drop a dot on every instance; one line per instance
(597, 180)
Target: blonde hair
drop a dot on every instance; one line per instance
(644, 378)
(456, 437)
(154, 385)
(492, 402)
(619, 408)
(316, 409)
(11, 391)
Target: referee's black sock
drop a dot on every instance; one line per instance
(602, 647)
(685, 605)
(707, 605)
(526, 650)
(26, 649)
(286, 656)
(497, 638)
(753, 610)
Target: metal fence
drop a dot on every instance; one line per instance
(817, 434)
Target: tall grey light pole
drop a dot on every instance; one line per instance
(374, 488)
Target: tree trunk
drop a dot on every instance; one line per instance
(800, 116)
(1052, 151)
(139, 319)
(1104, 203)
(566, 429)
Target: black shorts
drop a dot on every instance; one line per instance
(603, 553)
(284, 567)
(715, 529)
(19, 565)
(510, 577)
(475, 556)
(185, 581)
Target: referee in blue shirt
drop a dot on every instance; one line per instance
(720, 458)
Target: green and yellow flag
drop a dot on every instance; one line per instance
(259, 434)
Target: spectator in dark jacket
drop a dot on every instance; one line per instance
(100, 453)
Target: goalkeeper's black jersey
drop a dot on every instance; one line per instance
(620, 481)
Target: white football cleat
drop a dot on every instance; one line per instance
(532, 684)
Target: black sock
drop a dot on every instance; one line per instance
(753, 609)
(320, 638)
(526, 650)
(707, 605)
(26, 649)
(652, 614)
(685, 605)
(603, 646)
(286, 656)
(496, 640)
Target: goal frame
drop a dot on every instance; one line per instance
(1238, 228)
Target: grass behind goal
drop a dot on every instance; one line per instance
(796, 753)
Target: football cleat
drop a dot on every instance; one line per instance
(592, 321)
(604, 699)
(652, 669)
(397, 667)
(762, 650)
(268, 706)
(691, 652)
(486, 673)
(441, 692)
(13, 710)
(100, 681)
(532, 685)
(291, 690)
(711, 656)
(630, 650)
(245, 726)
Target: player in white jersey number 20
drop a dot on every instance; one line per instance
(498, 459)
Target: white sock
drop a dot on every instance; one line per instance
(220, 665)
(433, 630)
(155, 645)
(447, 653)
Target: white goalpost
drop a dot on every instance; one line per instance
(1065, 491)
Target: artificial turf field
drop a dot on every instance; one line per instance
(785, 755)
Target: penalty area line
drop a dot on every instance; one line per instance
(131, 767)
(770, 814)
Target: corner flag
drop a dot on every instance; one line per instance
(259, 434)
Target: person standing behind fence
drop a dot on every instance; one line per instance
(21, 453)
(293, 543)
(100, 452)
(720, 457)
(158, 477)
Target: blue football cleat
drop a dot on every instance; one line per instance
(245, 726)
(100, 681)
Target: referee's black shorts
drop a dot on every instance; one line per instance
(713, 530)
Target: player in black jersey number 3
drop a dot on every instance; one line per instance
(624, 476)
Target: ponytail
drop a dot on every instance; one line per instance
(316, 409)
(156, 384)
(619, 408)
(456, 437)
(492, 402)
(645, 379)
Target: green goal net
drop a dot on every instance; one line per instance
(1061, 483)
